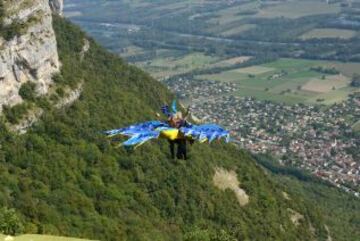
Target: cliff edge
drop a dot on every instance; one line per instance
(28, 47)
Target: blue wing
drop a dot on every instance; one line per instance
(143, 132)
(139, 133)
(140, 138)
(206, 132)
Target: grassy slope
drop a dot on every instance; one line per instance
(64, 178)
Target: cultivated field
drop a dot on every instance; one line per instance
(332, 82)
(232, 20)
(162, 67)
(231, 61)
(348, 69)
(256, 70)
(290, 80)
(237, 30)
(233, 14)
(329, 33)
(297, 9)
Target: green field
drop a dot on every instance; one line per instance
(237, 30)
(255, 70)
(35, 237)
(348, 69)
(290, 80)
(233, 14)
(329, 33)
(232, 21)
(162, 67)
(297, 9)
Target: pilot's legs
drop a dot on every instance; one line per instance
(184, 150)
(181, 151)
(172, 149)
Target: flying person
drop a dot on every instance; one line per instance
(178, 121)
(176, 129)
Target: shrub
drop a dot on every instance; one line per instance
(15, 113)
(10, 223)
(27, 91)
(60, 91)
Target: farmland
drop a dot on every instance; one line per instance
(167, 63)
(297, 9)
(238, 30)
(233, 14)
(329, 33)
(214, 40)
(288, 80)
(285, 80)
(162, 67)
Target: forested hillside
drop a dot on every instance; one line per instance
(340, 210)
(63, 177)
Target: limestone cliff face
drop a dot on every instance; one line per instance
(32, 54)
(57, 6)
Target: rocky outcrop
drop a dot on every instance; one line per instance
(25, 123)
(224, 179)
(70, 97)
(32, 54)
(57, 6)
(84, 49)
(295, 217)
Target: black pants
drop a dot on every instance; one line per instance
(181, 149)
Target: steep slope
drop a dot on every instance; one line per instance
(28, 50)
(341, 210)
(64, 178)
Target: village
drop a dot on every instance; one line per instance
(319, 139)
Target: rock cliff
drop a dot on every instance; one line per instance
(30, 54)
(57, 6)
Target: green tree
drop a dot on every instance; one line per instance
(197, 235)
(10, 223)
(27, 91)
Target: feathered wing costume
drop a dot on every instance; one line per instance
(140, 133)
